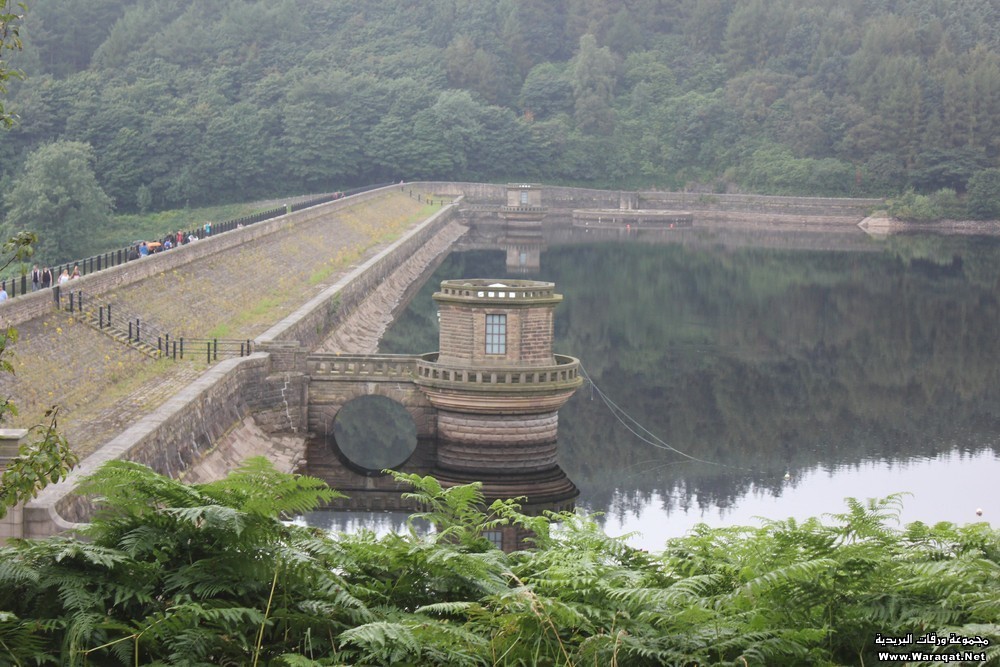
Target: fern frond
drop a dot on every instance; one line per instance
(456, 608)
(789, 576)
(257, 488)
(383, 642)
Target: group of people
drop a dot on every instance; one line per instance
(42, 279)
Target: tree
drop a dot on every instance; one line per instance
(10, 40)
(594, 76)
(59, 197)
(984, 194)
(546, 91)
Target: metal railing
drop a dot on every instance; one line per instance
(116, 318)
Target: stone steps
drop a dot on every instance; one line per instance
(92, 319)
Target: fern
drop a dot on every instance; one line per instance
(383, 642)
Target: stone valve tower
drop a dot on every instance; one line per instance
(497, 387)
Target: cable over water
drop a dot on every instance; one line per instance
(647, 436)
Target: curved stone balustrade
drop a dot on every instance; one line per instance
(523, 209)
(498, 390)
(507, 290)
(565, 374)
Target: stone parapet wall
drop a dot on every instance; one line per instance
(179, 433)
(474, 193)
(559, 201)
(757, 203)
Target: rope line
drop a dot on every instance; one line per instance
(652, 438)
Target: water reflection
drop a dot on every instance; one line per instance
(850, 364)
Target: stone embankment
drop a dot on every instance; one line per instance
(253, 405)
(233, 286)
(363, 328)
(884, 226)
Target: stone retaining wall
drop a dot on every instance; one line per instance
(169, 440)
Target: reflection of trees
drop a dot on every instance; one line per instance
(766, 360)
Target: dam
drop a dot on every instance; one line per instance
(261, 403)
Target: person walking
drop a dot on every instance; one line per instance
(46, 278)
(64, 277)
(36, 279)
(3, 292)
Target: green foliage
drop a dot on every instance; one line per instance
(913, 207)
(10, 40)
(984, 194)
(195, 105)
(209, 574)
(58, 196)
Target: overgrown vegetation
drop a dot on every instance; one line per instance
(210, 574)
(186, 105)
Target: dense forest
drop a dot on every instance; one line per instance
(173, 103)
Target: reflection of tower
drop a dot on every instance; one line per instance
(497, 388)
(523, 216)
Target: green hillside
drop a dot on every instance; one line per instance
(201, 103)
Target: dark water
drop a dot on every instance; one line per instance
(768, 382)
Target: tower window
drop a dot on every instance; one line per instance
(496, 334)
(524, 198)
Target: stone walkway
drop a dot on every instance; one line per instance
(103, 386)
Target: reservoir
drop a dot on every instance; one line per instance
(735, 377)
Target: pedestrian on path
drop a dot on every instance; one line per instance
(36, 279)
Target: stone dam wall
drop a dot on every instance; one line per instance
(482, 201)
(265, 393)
